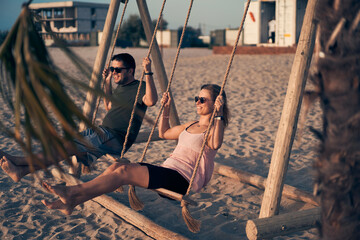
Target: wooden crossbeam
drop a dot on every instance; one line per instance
(260, 182)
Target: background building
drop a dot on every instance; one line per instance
(168, 38)
(73, 21)
(288, 16)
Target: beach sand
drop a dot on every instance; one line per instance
(256, 88)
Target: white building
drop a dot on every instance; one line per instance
(167, 38)
(288, 15)
(71, 20)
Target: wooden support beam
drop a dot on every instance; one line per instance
(260, 182)
(134, 218)
(283, 224)
(157, 59)
(100, 59)
(289, 116)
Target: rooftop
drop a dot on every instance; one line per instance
(67, 4)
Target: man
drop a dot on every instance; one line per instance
(110, 136)
(272, 28)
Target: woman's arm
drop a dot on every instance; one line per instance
(165, 131)
(217, 131)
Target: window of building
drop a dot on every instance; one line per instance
(70, 12)
(58, 12)
(47, 13)
(93, 12)
(93, 24)
(47, 25)
(59, 24)
(70, 23)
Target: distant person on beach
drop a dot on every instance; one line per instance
(272, 28)
(175, 173)
(111, 134)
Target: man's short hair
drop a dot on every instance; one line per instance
(127, 59)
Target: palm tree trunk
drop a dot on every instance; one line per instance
(337, 76)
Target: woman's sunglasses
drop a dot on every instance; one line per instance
(116, 69)
(201, 99)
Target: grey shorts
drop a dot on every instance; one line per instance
(100, 143)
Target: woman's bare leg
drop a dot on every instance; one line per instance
(118, 175)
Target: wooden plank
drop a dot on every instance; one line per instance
(144, 136)
(260, 182)
(89, 106)
(134, 218)
(175, 196)
(289, 116)
(157, 59)
(284, 224)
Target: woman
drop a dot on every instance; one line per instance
(175, 172)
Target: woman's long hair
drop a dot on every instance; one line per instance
(214, 90)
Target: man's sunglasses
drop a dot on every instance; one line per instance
(202, 99)
(116, 69)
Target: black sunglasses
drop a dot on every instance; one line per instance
(202, 99)
(116, 69)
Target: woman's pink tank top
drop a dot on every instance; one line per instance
(184, 157)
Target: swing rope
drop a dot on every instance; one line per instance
(170, 81)
(134, 201)
(141, 80)
(111, 55)
(122, 160)
(193, 224)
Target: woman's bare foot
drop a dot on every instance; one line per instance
(58, 190)
(65, 204)
(59, 205)
(15, 172)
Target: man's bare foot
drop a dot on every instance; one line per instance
(15, 172)
(58, 190)
(59, 205)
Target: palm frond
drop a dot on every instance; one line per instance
(33, 91)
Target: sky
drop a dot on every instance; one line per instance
(205, 14)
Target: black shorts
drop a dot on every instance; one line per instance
(161, 177)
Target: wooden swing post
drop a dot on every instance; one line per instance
(156, 57)
(100, 59)
(289, 117)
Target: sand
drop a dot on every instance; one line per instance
(256, 89)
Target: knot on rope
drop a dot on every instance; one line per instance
(183, 203)
(134, 201)
(192, 223)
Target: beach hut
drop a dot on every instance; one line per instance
(288, 16)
